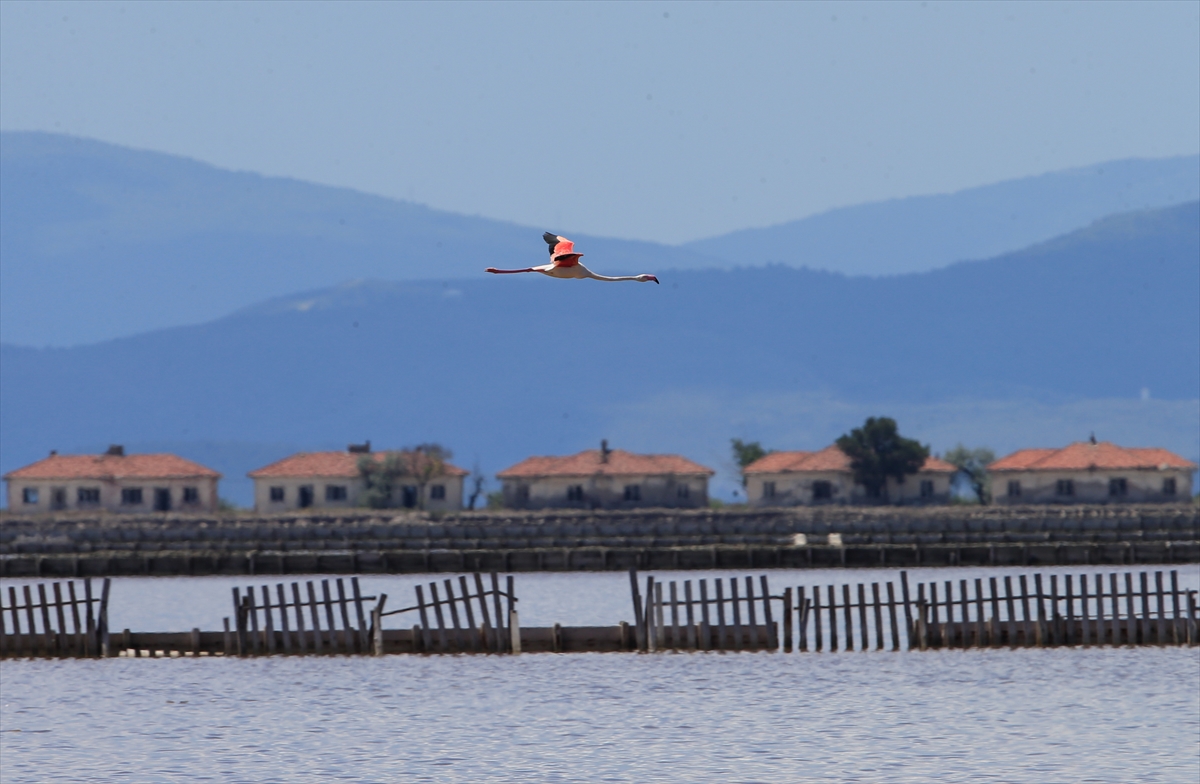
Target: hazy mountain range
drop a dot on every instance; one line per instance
(99, 241)
(1097, 330)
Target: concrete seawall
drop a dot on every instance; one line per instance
(368, 541)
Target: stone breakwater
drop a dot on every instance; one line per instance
(365, 541)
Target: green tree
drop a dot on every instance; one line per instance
(878, 451)
(419, 465)
(423, 463)
(380, 477)
(972, 464)
(746, 453)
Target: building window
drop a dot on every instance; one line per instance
(927, 488)
(768, 489)
(408, 496)
(822, 491)
(29, 495)
(522, 494)
(437, 492)
(191, 495)
(305, 496)
(276, 495)
(1014, 489)
(58, 498)
(1117, 486)
(575, 493)
(335, 492)
(633, 492)
(1065, 487)
(131, 496)
(88, 495)
(683, 491)
(1169, 486)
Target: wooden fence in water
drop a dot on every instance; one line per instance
(683, 620)
(995, 613)
(737, 614)
(40, 635)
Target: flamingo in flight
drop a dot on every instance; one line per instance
(564, 263)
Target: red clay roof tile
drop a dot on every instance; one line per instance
(831, 458)
(1083, 455)
(333, 464)
(112, 467)
(588, 463)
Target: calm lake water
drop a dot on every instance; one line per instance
(1111, 715)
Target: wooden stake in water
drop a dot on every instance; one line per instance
(638, 620)
(768, 618)
(787, 620)
(750, 615)
(908, 621)
(818, 631)
(862, 617)
(878, 617)
(299, 608)
(891, 594)
(848, 612)
(737, 614)
(1176, 636)
(833, 621)
(1115, 594)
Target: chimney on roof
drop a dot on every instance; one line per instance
(115, 450)
(359, 449)
(1093, 438)
(604, 450)
(53, 452)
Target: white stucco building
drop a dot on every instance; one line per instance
(605, 479)
(115, 482)
(1091, 472)
(825, 477)
(332, 480)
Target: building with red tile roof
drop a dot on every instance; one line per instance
(113, 481)
(1091, 472)
(825, 477)
(333, 480)
(605, 479)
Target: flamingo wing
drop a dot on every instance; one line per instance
(562, 250)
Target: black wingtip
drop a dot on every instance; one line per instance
(551, 239)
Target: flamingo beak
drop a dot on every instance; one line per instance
(651, 277)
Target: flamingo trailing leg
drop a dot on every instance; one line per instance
(564, 263)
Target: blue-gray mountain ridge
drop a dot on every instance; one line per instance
(99, 241)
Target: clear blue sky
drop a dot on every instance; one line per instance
(641, 120)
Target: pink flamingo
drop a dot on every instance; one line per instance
(564, 263)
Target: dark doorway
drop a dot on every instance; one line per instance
(409, 499)
(306, 496)
(162, 499)
(58, 498)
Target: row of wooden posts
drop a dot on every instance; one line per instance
(465, 615)
(87, 635)
(277, 625)
(1066, 613)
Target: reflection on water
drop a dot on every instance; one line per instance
(1028, 715)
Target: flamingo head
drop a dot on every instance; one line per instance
(647, 278)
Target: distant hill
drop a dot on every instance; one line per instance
(927, 232)
(500, 368)
(99, 241)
